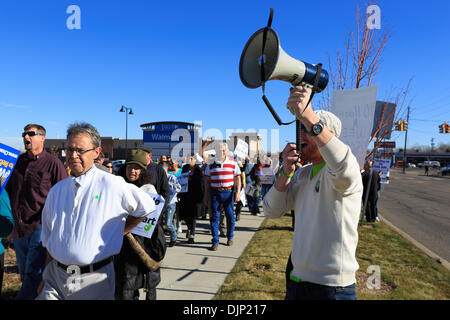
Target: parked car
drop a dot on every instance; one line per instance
(434, 164)
(420, 164)
(445, 171)
(410, 165)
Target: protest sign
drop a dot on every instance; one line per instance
(356, 108)
(146, 227)
(183, 181)
(382, 165)
(8, 159)
(243, 198)
(241, 149)
(267, 175)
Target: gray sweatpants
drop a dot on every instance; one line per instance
(60, 285)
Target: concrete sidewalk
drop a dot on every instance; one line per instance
(192, 271)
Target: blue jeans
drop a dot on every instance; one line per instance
(264, 189)
(253, 204)
(312, 291)
(30, 256)
(226, 198)
(169, 221)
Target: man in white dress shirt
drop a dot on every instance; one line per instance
(83, 223)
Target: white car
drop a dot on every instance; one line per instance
(117, 164)
(434, 164)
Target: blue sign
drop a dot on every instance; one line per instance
(163, 136)
(8, 159)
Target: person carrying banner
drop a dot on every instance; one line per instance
(326, 196)
(83, 223)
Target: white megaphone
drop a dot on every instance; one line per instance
(264, 60)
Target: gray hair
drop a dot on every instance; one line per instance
(331, 121)
(85, 128)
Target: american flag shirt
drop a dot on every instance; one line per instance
(222, 174)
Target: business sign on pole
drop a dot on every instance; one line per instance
(8, 159)
(355, 108)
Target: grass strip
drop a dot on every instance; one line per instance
(406, 272)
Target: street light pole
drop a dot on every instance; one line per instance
(125, 109)
(406, 137)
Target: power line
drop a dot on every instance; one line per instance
(426, 120)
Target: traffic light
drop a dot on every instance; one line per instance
(405, 126)
(447, 128)
(441, 128)
(399, 125)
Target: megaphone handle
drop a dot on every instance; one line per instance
(298, 138)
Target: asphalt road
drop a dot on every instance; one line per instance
(420, 206)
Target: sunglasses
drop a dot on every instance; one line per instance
(31, 133)
(110, 167)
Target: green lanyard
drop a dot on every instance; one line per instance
(316, 168)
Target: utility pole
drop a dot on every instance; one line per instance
(406, 137)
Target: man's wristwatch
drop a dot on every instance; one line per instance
(316, 129)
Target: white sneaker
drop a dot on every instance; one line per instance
(180, 230)
(376, 219)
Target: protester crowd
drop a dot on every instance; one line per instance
(71, 222)
(42, 192)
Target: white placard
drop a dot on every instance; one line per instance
(382, 165)
(198, 159)
(356, 108)
(241, 149)
(183, 180)
(243, 198)
(146, 227)
(267, 175)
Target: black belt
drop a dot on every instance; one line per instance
(87, 268)
(222, 189)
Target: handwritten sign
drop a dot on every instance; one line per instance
(146, 227)
(241, 149)
(355, 108)
(183, 180)
(243, 198)
(382, 165)
(8, 159)
(267, 175)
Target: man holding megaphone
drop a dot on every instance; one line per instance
(326, 196)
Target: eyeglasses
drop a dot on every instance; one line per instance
(31, 133)
(110, 167)
(78, 151)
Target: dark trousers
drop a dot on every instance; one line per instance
(253, 205)
(2, 269)
(191, 221)
(371, 210)
(237, 210)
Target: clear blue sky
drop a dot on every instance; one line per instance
(178, 60)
